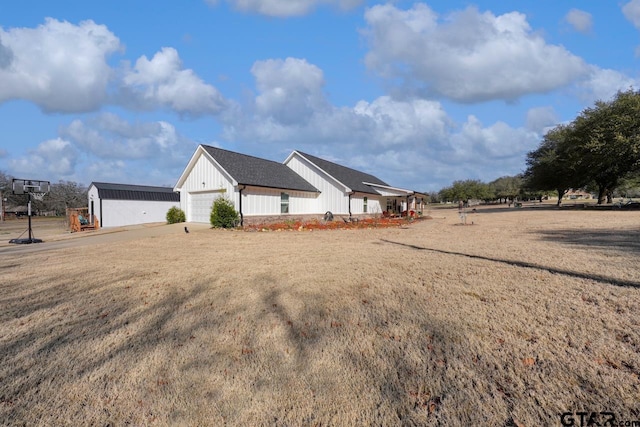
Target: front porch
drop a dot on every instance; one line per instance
(400, 206)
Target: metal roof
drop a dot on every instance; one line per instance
(111, 191)
(254, 171)
(352, 178)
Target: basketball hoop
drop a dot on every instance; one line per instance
(38, 196)
(35, 189)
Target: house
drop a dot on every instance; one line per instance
(577, 194)
(257, 187)
(302, 186)
(116, 205)
(347, 191)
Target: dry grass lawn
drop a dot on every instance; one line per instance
(510, 321)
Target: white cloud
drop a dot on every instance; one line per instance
(290, 90)
(580, 20)
(52, 158)
(412, 143)
(541, 118)
(108, 136)
(467, 56)
(403, 123)
(114, 149)
(631, 11)
(603, 84)
(291, 104)
(59, 66)
(286, 8)
(101, 170)
(162, 82)
(478, 144)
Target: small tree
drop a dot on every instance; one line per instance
(175, 215)
(223, 214)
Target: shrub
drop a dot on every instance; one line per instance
(175, 214)
(223, 214)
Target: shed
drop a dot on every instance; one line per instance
(117, 205)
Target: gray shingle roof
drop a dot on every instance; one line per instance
(249, 170)
(111, 191)
(350, 177)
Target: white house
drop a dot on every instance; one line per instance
(304, 185)
(257, 187)
(347, 191)
(117, 205)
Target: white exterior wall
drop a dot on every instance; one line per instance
(204, 171)
(332, 197)
(374, 204)
(258, 201)
(93, 196)
(118, 213)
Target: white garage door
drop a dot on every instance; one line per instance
(200, 206)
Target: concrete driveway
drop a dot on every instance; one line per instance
(58, 239)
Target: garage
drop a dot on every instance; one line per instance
(200, 203)
(117, 205)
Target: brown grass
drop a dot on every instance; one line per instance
(510, 321)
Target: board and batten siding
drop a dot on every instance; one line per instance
(257, 201)
(214, 179)
(374, 204)
(332, 197)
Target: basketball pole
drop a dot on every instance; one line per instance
(29, 212)
(31, 238)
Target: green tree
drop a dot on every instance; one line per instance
(506, 187)
(223, 214)
(553, 165)
(467, 190)
(629, 186)
(607, 140)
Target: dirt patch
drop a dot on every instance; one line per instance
(513, 321)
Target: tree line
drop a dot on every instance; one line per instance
(599, 151)
(504, 189)
(63, 195)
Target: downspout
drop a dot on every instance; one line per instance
(101, 221)
(240, 204)
(350, 194)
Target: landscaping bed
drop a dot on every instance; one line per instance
(336, 224)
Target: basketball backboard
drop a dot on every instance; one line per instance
(26, 186)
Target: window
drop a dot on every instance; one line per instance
(364, 206)
(284, 203)
(389, 205)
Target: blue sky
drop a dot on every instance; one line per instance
(418, 93)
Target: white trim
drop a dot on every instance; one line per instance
(400, 190)
(201, 151)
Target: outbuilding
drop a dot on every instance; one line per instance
(117, 205)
